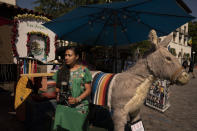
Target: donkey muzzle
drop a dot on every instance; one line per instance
(183, 78)
(180, 76)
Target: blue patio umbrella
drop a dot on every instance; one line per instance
(119, 23)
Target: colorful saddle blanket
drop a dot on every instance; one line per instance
(102, 88)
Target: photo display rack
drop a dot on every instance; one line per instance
(158, 95)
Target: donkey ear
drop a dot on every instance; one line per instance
(166, 41)
(153, 38)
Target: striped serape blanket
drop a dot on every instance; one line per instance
(102, 88)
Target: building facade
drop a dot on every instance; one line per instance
(179, 45)
(11, 2)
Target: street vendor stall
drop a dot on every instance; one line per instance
(34, 48)
(33, 45)
(31, 38)
(35, 100)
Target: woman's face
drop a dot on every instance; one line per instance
(70, 57)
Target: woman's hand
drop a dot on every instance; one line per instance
(57, 94)
(57, 97)
(72, 100)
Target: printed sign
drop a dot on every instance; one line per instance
(137, 126)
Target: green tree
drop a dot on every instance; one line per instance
(193, 34)
(143, 46)
(87, 2)
(56, 8)
(173, 51)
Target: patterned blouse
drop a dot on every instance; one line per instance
(77, 81)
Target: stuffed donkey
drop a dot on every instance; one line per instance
(128, 90)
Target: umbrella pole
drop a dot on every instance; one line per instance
(115, 58)
(115, 45)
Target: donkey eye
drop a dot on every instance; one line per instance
(168, 58)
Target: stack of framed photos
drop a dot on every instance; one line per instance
(158, 96)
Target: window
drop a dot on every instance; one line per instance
(174, 36)
(185, 40)
(184, 29)
(180, 37)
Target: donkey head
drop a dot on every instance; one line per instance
(163, 64)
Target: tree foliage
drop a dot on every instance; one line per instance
(173, 51)
(143, 47)
(56, 8)
(53, 8)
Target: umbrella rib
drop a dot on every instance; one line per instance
(77, 28)
(136, 4)
(154, 13)
(149, 26)
(145, 24)
(132, 5)
(124, 31)
(62, 20)
(74, 30)
(102, 29)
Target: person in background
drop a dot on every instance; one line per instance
(73, 88)
(191, 68)
(185, 64)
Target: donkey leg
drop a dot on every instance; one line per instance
(135, 116)
(119, 118)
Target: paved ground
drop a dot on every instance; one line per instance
(8, 122)
(181, 116)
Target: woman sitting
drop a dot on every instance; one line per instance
(73, 87)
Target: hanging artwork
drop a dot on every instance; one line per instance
(30, 37)
(38, 45)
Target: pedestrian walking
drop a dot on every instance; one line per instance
(185, 64)
(191, 68)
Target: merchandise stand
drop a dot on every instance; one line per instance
(42, 87)
(158, 96)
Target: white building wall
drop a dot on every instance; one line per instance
(12, 2)
(180, 42)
